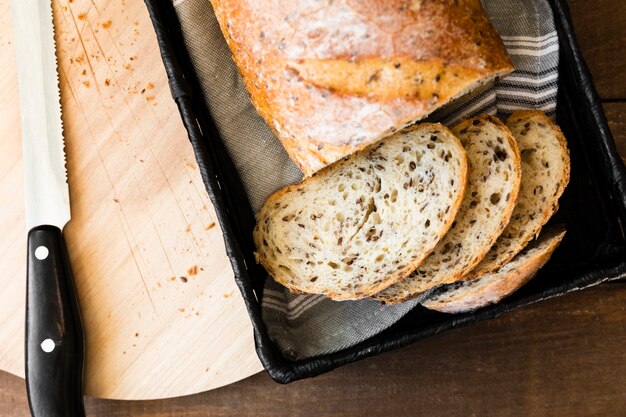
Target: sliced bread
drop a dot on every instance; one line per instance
(493, 183)
(545, 174)
(368, 220)
(466, 296)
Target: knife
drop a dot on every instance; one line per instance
(54, 337)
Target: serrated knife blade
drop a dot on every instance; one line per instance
(45, 180)
(54, 338)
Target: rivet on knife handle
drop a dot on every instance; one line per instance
(54, 335)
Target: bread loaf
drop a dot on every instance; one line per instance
(545, 174)
(494, 180)
(367, 221)
(331, 78)
(465, 296)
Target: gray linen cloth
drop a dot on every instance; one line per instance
(304, 325)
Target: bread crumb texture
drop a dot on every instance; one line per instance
(367, 221)
(493, 184)
(545, 174)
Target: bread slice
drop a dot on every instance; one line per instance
(465, 296)
(331, 78)
(494, 180)
(367, 221)
(545, 174)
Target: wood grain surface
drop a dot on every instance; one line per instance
(156, 289)
(561, 357)
(599, 26)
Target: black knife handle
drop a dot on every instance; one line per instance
(54, 334)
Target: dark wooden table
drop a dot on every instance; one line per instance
(562, 357)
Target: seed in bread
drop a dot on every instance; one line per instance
(466, 296)
(367, 221)
(493, 183)
(545, 174)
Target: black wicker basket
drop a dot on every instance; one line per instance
(593, 206)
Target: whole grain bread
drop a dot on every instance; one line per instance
(493, 183)
(545, 174)
(333, 77)
(466, 296)
(367, 221)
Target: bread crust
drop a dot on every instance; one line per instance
(496, 286)
(331, 79)
(389, 297)
(365, 290)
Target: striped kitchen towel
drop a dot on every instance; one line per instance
(527, 30)
(303, 325)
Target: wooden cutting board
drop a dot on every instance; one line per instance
(161, 311)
